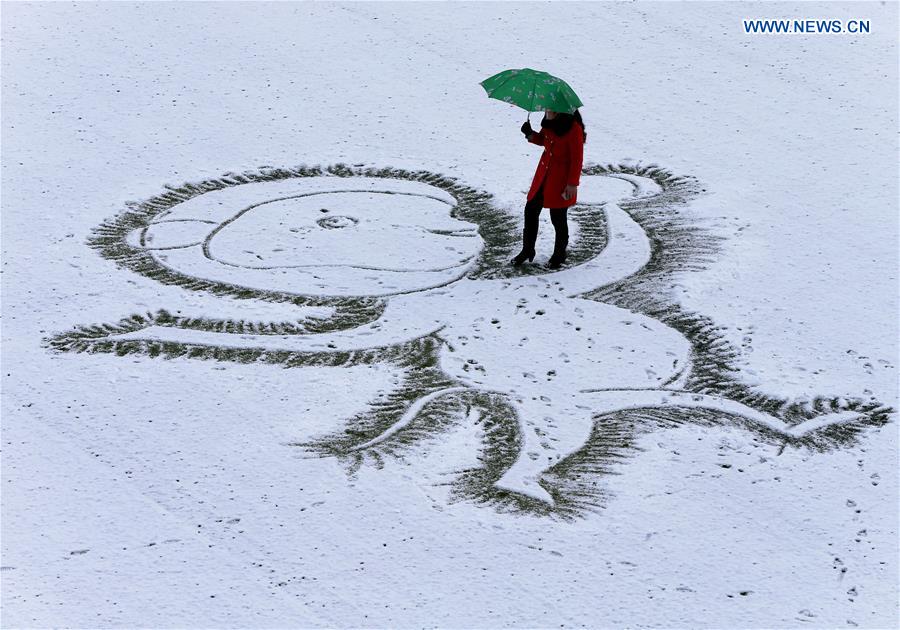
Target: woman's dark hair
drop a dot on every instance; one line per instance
(577, 116)
(563, 122)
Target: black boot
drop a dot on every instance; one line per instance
(529, 234)
(522, 255)
(556, 260)
(558, 217)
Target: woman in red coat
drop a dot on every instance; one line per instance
(555, 183)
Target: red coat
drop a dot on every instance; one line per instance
(560, 163)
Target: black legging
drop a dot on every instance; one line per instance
(532, 220)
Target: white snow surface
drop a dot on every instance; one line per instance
(143, 492)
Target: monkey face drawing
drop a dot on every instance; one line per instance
(316, 236)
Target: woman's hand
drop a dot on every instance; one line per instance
(569, 192)
(526, 128)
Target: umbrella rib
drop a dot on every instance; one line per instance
(533, 92)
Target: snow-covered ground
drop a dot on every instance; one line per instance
(140, 491)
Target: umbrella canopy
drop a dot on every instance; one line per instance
(532, 90)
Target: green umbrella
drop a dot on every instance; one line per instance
(532, 90)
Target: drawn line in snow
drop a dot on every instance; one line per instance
(547, 430)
